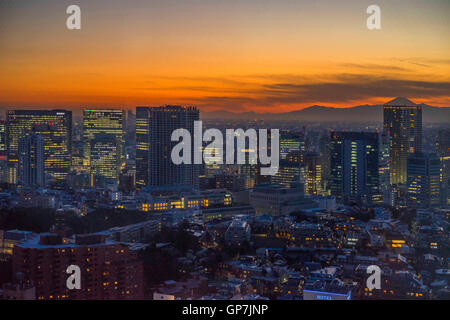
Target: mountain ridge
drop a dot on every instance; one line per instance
(317, 113)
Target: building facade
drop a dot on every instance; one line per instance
(288, 172)
(312, 173)
(354, 165)
(104, 158)
(423, 180)
(102, 121)
(403, 123)
(154, 127)
(290, 142)
(55, 127)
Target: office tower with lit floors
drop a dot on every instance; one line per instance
(290, 142)
(288, 173)
(104, 159)
(403, 124)
(443, 151)
(423, 182)
(154, 127)
(2, 138)
(354, 166)
(55, 127)
(312, 173)
(3, 155)
(142, 146)
(108, 121)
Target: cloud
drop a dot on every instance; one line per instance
(424, 62)
(375, 67)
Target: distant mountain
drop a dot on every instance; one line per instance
(316, 113)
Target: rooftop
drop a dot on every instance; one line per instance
(401, 102)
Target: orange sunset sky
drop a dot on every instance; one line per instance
(246, 55)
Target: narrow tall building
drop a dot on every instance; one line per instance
(288, 173)
(154, 127)
(55, 127)
(403, 123)
(2, 138)
(312, 173)
(31, 161)
(354, 165)
(142, 146)
(104, 121)
(104, 159)
(443, 151)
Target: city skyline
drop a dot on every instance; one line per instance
(238, 151)
(123, 205)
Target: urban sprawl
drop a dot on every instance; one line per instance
(99, 191)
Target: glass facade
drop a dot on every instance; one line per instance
(55, 126)
(100, 126)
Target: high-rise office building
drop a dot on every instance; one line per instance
(288, 173)
(2, 138)
(290, 142)
(403, 123)
(3, 159)
(31, 161)
(154, 127)
(423, 180)
(354, 165)
(443, 151)
(104, 158)
(312, 173)
(55, 127)
(131, 121)
(142, 146)
(107, 121)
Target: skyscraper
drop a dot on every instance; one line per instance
(403, 123)
(106, 121)
(443, 151)
(142, 146)
(288, 173)
(2, 138)
(105, 157)
(55, 127)
(423, 180)
(31, 161)
(312, 173)
(354, 165)
(154, 127)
